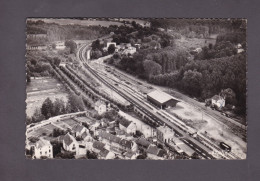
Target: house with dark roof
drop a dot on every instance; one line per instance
(78, 130)
(142, 142)
(129, 155)
(155, 153)
(69, 143)
(97, 146)
(115, 143)
(105, 154)
(127, 126)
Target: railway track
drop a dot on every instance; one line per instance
(152, 116)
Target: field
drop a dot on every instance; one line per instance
(83, 22)
(189, 43)
(39, 89)
(214, 129)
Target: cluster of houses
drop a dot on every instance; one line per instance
(122, 48)
(107, 139)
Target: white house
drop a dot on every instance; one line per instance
(218, 101)
(100, 107)
(164, 134)
(70, 144)
(110, 43)
(127, 126)
(130, 50)
(42, 148)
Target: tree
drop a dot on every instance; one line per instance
(192, 82)
(56, 146)
(96, 45)
(59, 107)
(37, 116)
(71, 45)
(91, 155)
(75, 103)
(53, 46)
(47, 108)
(111, 49)
(152, 68)
(56, 61)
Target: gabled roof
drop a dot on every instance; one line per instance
(124, 122)
(129, 154)
(142, 141)
(160, 96)
(42, 143)
(68, 139)
(77, 128)
(109, 136)
(103, 153)
(84, 135)
(98, 145)
(126, 143)
(152, 149)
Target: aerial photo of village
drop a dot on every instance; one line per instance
(127, 89)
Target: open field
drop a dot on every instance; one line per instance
(83, 22)
(189, 43)
(41, 88)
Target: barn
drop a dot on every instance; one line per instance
(162, 99)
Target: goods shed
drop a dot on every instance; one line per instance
(162, 99)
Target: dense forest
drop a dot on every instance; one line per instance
(215, 68)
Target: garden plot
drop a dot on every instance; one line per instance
(205, 123)
(41, 88)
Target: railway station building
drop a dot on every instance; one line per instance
(162, 99)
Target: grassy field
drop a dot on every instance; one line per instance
(39, 89)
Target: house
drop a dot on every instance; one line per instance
(142, 143)
(128, 145)
(130, 50)
(105, 154)
(153, 152)
(115, 143)
(218, 101)
(86, 137)
(110, 43)
(70, 144)
(164, 134)
(129, 155)
(78, 130)
(42, 148)
(100, 107)
(127, 126)
(97, 146)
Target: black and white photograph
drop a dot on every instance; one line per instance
(136, 88)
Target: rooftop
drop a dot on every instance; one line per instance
(98, 145)
(160, 96)
(124, 122)
(42, 143)
(77, 128)
(142, 141)
(68, 139)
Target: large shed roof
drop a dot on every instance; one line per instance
(160, 96)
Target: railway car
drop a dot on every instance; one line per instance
(225, 147)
